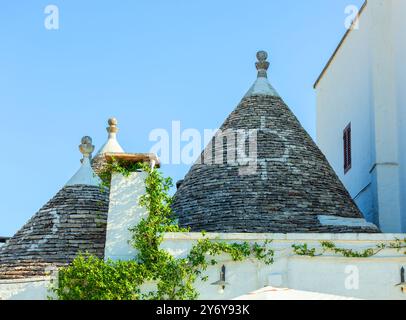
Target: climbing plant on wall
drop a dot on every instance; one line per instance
(328, 246)
(92, 278)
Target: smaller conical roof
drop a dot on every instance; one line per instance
(71, 222)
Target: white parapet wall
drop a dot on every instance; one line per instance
(124, 213)
(26, 289)
(376, 277)
(365, 278)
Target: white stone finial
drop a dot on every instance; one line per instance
(261, 86)
(112, 145)
(86, 147)
(85, 175)
(112, 128)
(262, 64)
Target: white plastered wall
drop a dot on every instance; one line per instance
(330, 274)
(124, 213)
(364, 85)
(26, 289)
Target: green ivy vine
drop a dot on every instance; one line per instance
(328, 246)
(92, 278)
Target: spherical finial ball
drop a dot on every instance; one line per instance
(86, 148)
(112, 122)
(262, 55)
(86, 140)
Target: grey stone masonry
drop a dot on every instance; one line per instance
(99, 163)
(291, 185)
(73, 221)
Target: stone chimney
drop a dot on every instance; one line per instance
(125, 211)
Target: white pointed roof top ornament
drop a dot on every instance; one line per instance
(112, 145)
(85, 175)
(261, 86)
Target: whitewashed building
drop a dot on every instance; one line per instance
(293, 197)
(361, 112)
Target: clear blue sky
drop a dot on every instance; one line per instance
(146, 63)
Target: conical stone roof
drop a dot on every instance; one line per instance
(283, 184)
(71, 222)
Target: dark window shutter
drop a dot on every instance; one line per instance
(347, 148)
